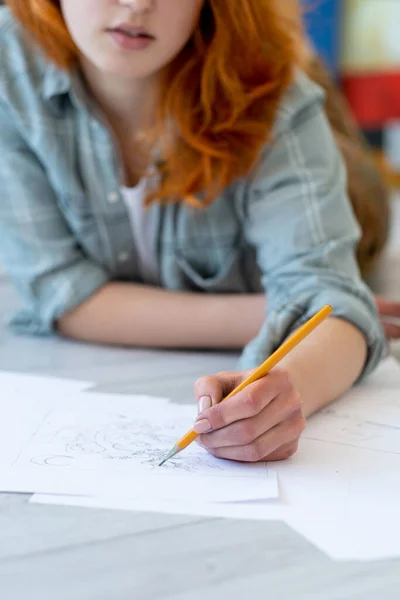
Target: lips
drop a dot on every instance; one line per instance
(128, 37)
(133, 32)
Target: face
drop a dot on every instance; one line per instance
(131, 38)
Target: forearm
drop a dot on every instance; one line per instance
(139, 315)
(327, 363)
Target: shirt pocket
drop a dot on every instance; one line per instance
(78, 212)
(224, 276)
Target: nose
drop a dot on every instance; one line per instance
(138, 6)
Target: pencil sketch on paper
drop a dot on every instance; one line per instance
(116, 441)
(348, 430)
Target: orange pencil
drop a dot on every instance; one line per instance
(261, 371)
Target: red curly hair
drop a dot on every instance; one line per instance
(221, 92)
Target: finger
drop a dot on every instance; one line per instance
(213, 389)
(392, 330)
(387, 307)
(286, 432)
(245, 431)
(246, 404)
(284, 452)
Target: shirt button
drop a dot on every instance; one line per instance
(113, 197)
(123, 256)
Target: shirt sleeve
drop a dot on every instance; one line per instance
(37, 248)
(301, 224)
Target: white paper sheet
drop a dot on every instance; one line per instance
(368, 417)
(22, 398)
(350, 507)
(344, 501)
(95, 444)
(366, 538)
(268, 510)
(345, 482)
(341, 490)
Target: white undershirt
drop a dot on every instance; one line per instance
(143, 235)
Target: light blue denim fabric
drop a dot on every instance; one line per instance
(287, 229)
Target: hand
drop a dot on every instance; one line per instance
(389, 311)
(263, 422)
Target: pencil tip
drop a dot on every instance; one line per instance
(170, 454)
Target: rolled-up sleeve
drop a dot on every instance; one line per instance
(37, 248)
(301, 224)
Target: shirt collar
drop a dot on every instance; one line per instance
(56, 83)
(59, 84)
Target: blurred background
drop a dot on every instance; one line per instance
(359, 40)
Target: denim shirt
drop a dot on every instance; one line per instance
(288, 229)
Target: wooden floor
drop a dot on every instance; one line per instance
(60, 553)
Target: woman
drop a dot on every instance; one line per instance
(200, 109)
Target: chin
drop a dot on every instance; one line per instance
(127, 71)
(131, 74)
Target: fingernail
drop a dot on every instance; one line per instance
(202, 426)
(205, 402)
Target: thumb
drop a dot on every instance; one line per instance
(212, 389)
